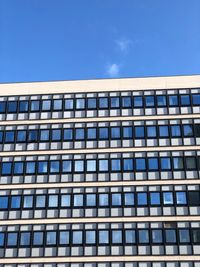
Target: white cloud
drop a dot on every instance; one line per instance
(113, 70)
(123, 44)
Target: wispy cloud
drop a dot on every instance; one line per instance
(113, 70)
(124, 44)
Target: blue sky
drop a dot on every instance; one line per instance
(42, 40)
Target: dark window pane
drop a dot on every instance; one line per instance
(30, 167)
(156, 236)
(103, 199)
(116, 165)
(69, 104)
(115, 133)
(6, 168)
(68, 134)
(46, 105)
(165, 164)
(140, 164)
(196, 235)
(2, 107)
(80, 103)
(163, 131)
(92, 103)
(116, 236)
(38, 238)
(197, 130)
(175, 130)
(170, 236)
(3, 202)
(25, 239)
(18, 168)
(150, 102)
(80, 134)
(127, 132)
(155, 198)
(129, 199)
(35, 105)
(138, 102)
(153, 164)
(193, 198)
(91, 133)
(44, 135)
(114, 102)
(190, 163)
(57, 104)
(21, 136)
(142, 199)
(103, 133)
(187, 130)
(196, 100)
(42, 167)
(184, 235)
(173, 100)
(32, 135)
(77, 237)
(116, 199)
(1, 137)
(161, 101)
(12, 239)
(12, 107)
(143, 236)
(185, 100)
(128, 164)
(151, 131)
(9, 137)
(139, 131)
(23, 106)
(103, 102)
(56, 135)
(15, 202)
(126, 102)
(55, 166)
(130, 236)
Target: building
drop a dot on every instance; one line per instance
(100, 173)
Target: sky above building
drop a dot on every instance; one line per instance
(43, 40)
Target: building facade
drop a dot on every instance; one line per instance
(100, 173)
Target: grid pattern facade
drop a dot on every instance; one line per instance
(100, 177)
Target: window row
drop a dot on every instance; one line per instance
(100, 237)
(100, 165)
(92, 103)
(100, 133)
(128, 199)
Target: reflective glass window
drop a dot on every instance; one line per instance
(184, 236)
(53, 201)
(163, 131)
(103, 236)
(18, 168)
(56, 135)
(114, 102)
(115, 133)
(129, 199)
(103, 165)
(130, 236)
(140, 164)
(54, 166)
(57, 104)
(15, 202)
(25, 239)
(1, 137)
(149, 100)
(126, 102)
(190, 163)
(161, 101)
(32, 135)
(78, 200)
(193, 198)
(103, 199)
(38, 238)
(178, 163)
(2, 107)
(42, 166)
(188, 130)
(173, 100)
(138, 102)
(46, 105)
(40, 201)
(170, 236)
(6, 168)
(65, 200)
(78, 165)
(91, 200)
(77, 238)
(91, 165)
(12, 107)
(2, 239)
(21, 136)
(175, 130)
(153, 164)
(115, 164)
(196, 100)
(44, 135)
(68, 134)
(127, 132)
(9, 137)
(79, 134)
(28, 202)
(23, 106)
(116, 199)
(165, 164)
(116, 236)
(90, 237)
(92, 133)
(103, 102)
(185, 100)
(64, 237)
(66, 166)
(51, 238)
(168, 198)
(12, 239)
(103, 133)
(197, 130)
(92, 103)
(35, 105)
(181, 198)
(128, 164)
(143, 236)
(80, 103)
(142, 199)
(155, 198)
(3, 202)
(30, 167)
(69, 104)
(196, 235)
(156, 236)
(139, 131)
(151, 131)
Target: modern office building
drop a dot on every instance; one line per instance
(100, 173)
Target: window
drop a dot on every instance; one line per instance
(175, 130)
(32, 135)
(44, 135)
(196, 235)
(149, 101)
(127, 132)
(142, 199)
(64, 238)
(80, 103)
(9, 137)
(116, 237)
(35, 105)
(77, 237)
(65, 201)
(193, 198)
(92, 103)
(187, 130)
(173, 100)
(90, 237)
(116, 199)
(161, 101)
(139, 132)
(69, 104)
(25, 239)
(156, 236)
(66, 166)
(51, 238)
(68, 134)
(40, 201)
(103, 133)
(12, 239)
(78, 200)
(79, 134)
(126, 102)
(23, 106)
(143, 236)
(57, 105)
(170, 236)
(2, 239)
(6, 168)
(129, 199)
(2, 107)
(140, 164)
(21, 136)
(178, 163)
(103, 165)
(138, 102)
(103, 199)
(115, 132)
(184, 235)
(103, 102)
(15, 202)
(151, 131)
(91, 200)
(91, 133)
(197, 130)
(190, 163)
(53, 201)
(130, 236)
(91, 165)
(30, 167)
(128, 164)
(78, 165)
(153, 164)
(103, 237)
(165, 164)
(38, 238)
(56, 135)
(54, 166)
(185, 100)
(163, 131)
(168, 198)
(46, 105)
(114, 102)
(3, 202)
(42, 167)
(181, 198)
(115, 164)
(196, 100)
(28, 202)
(155, 198)
(12, 107)
(18, 168)
(1, 137)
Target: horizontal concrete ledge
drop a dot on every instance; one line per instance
(102, 220)
(98, 151)
(143, 258)
(101, 119)
(101, 184)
